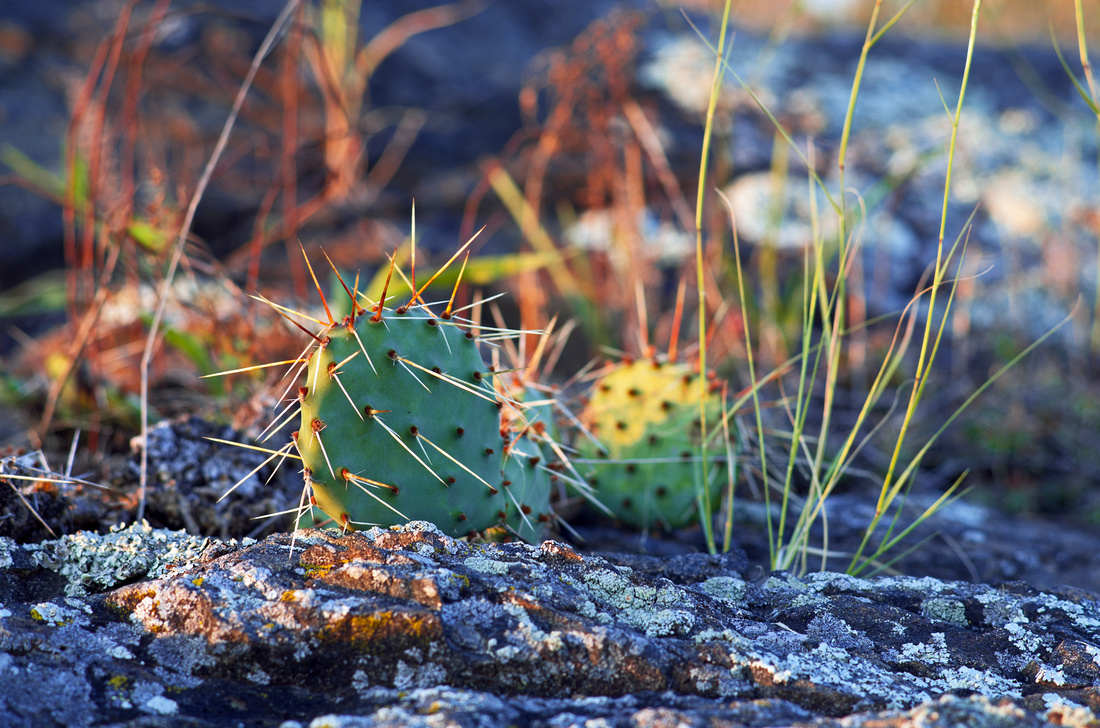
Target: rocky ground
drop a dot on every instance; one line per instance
(144, 627)
(992, 621)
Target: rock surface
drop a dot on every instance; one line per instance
(408, 626)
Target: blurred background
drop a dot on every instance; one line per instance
(571, 130)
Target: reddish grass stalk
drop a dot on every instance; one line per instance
(134, 76)
(185, 229)
(68, 210)
(289, 88)
(97, 143)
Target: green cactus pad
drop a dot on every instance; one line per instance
(529, 462)
(400, 422)
(526, 485)
(646, 414)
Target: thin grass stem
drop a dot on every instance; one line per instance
(926, 355)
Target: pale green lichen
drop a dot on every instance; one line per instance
(58, 615)
(818, 580)
(980, 681)
(1048, 675)
(408, 677)
(160, 705)
(586, 608)
(942, 609)
(828, 665)
(736, 640)
(936, 653)
(1065, 713)
(646, 608)
(784, 580)
(663, 622)
(7, 546)
(617, 590)
(486, 565)
(51, 614)
(1028, 642)
(727, 588)
(804, 600)
(1000, 611)
(531, 633)
(93, 562)
(1087, 617)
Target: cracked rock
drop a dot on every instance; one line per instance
(388, 626)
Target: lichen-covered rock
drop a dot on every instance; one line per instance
(384, 627)
(92, 562)
(451, 707)
(189, 469)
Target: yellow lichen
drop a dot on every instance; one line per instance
(318, 571)
(127, 600)
(368, 630)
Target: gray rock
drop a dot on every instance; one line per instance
(410, 627)
(190, 474)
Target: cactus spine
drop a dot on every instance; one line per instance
(532, 463)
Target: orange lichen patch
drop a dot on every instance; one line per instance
(170, 607)
(554, 549)
(317, 572)
(121, 686)
(126, 599)
(320, 555)
(763, 676)
(384, 629)
(351, 548)
(422, 590)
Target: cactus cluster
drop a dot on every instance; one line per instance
(643, 457)
(536, 461)
(528, 485)
(401, 420)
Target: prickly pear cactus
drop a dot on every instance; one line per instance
(645, 414)
(526, 485)
(400, 422)
(529, 466)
